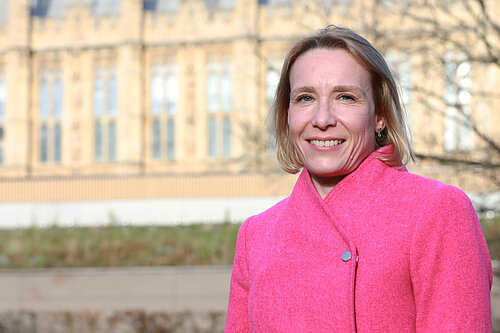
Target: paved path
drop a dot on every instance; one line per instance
(195, 288)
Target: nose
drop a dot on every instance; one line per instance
(324, 116)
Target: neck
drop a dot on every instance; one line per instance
(324, 184)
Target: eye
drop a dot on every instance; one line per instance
(347, 97)
(304, 98)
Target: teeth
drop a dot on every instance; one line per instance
(325, 143)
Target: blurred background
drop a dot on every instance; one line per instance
(133, 143)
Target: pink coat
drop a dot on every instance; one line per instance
(385, 251)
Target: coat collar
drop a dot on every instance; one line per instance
(371, 173)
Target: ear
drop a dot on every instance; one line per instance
(379, 122)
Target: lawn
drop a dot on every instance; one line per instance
(491, 230)
(115, 245)
(201, 244)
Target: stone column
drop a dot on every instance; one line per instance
(18, 141)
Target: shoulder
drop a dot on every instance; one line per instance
(427, 201)
(438, 208)
(432, 191)
(257, 231)
(267, 217)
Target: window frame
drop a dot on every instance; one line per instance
(105, 112)
(219, 106)
(3, 116)
(164, 99)
(50, 116)
(458, 131)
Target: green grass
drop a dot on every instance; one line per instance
(491, 229)
(111, 246)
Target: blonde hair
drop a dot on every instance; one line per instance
(385, 94)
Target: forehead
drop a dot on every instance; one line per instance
(335, 66)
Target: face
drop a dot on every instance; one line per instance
(331, 114)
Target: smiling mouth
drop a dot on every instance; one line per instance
(325, 143)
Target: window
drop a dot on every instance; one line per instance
(401, 69)
(4, 13)
(39, 8)
(106, 8)
(220, 4)
(50, 113)
(393, 3)
(164, 96)
(3, 99)
(272, 80)
(278, 2)
(458, 133)
(219, 107)
(330, 3)
(105, 109)
(169, 6)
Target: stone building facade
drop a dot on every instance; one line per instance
(130, 100)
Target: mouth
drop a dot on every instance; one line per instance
(326, 143)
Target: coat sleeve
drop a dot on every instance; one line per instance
(237, 320)
(450, 266)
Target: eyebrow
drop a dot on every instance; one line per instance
(349, 88)
(338, 88)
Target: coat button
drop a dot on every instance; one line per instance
(346, 256)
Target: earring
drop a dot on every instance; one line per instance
(378, 132)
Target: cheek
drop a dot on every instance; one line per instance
(296, 128)
(294, 125)
(359, 124)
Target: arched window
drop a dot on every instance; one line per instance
(219, 106)
(164, 99)
(105, 110)
(458, 133)
(3, 102)
(50, 115)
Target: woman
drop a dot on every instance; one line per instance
(361, 245)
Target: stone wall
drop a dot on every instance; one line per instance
(111, 322)
(128, 300)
